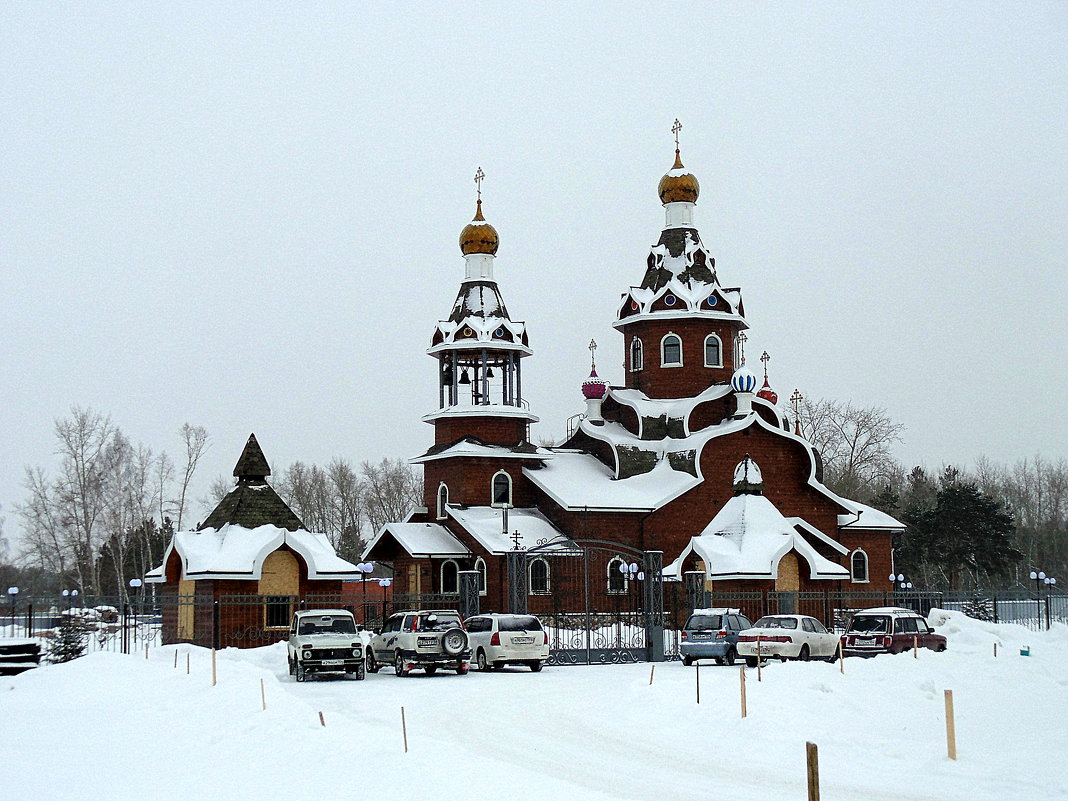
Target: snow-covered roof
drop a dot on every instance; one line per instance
(480, 410)
(473, 448)
(236, 552)
(420, 539)
(485, 524)
(672, 408)
(747, 538)
(866, 517)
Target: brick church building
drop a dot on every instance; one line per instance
(684, 455)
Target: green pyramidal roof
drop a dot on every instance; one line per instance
(253, 502)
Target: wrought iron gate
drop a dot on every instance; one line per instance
(593, 612)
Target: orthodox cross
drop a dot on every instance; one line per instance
(796, 399)
(593, 347)
(675, 130)
(515, 539)
(742, 339)
(479, 175)
(765, 358)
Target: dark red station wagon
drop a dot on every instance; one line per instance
(888, 630)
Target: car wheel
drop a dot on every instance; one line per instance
(721, 660)
(300, 672)
(360, 672)
(454, 641)
(535, 666)
(398, 664)
(461, 668)
(480, 660)
(687, 660)
(372, 665)
(750, 661)
(941, 647)
(732, 655)
(803, 655)
(292, 666)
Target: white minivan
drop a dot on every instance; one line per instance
(498, 640)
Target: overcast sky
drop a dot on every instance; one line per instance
(246, 217)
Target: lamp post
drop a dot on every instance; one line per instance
(383, 583)
(135, 585)
(13, 593)
(364, 568)
(1041, 579)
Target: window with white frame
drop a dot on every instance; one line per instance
(858, 566)
(539, 577)
(713, 351)
(671, 351)
(450, 577)
(637, 357)
(501, 489)
(617, 581)
(443, 500)
(480, 566)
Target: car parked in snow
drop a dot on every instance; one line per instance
(420, 639)
(712, 634)
(498, 640)
(787, 637)
(325, 641)
(889, 630)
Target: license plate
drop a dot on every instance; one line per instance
(427, 642)
(702, 636)
(865, 641)
(333, 661)
(522, 640)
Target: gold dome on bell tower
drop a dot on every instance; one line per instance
(679, 185)
(478, 236)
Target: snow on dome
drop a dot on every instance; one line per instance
(743, 380)
(747, 472)
(767, 393)
(594, 387)
(678, 185)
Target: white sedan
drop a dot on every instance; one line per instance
(498, 640)
(787, 637)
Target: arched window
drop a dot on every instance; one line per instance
(450, 577)
(713, 351)
(671, 351)
(617, 582)
(443, 500)
(480, 566)
(637, 358)
(858, 566)
(539, 577)
(501, 489)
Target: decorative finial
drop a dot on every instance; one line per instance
(742, 339)
(675, 130)
(479, 175)
(593, 348)
(516, 537)
(796, 399)
(765, 358)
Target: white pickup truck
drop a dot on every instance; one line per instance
(325, 641)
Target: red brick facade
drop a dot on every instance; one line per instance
(687, 380)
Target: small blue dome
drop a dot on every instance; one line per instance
(743, 380)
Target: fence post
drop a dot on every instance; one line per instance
(653, 588)
(215, 620)
(468, 593)
(517, 581)
(125, 638)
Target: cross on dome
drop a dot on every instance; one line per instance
(764, 357)
(479, 175)
(593, 348)
(675, 130)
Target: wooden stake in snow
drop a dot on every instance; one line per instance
(741, 676)
(146, 650)
(214, 673)
(841, 657)
(812, 762)
(995, 650)
(404, 730)
(651, 669)
(951, 727)
(175, 658)
(697, 674)
(760, 658)
(263, 697)
(187, 663)
(915, 647)
(322, 719)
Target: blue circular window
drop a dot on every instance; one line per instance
(712, 300)
(499, 332)
(669, 300)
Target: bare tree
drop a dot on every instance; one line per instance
(392, 490)
(195, 440)
(855, 443)
(329, 500)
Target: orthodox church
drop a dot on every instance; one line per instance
(685, 455)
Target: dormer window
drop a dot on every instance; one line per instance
(671, 351)
(501, 489)
(637, 358)
(713, 351)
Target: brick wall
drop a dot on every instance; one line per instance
(494, 430)
(692, 377)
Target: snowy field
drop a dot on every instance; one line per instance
(109, 726)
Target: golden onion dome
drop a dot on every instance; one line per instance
(678, 186)
(479, 236)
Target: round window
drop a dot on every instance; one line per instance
(499, 332)
(669, 300)
(634, 305)
(712, 300)
(468, 332)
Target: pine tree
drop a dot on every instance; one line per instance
(71, 638)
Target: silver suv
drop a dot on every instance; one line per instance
(421, 639)
(324, 641)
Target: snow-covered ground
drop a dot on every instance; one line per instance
(123, 727)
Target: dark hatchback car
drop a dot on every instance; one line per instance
(712, 634)
(889, 630)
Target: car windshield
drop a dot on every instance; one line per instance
(438, 621)
(519, 623)
(870, 624)
(327, 625)
(776, 623)
(703, 622)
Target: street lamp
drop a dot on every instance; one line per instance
(13, 594)
(383, 583)
(364, 568)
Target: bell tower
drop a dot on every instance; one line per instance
(680, 327)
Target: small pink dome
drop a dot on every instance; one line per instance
(594, 388)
